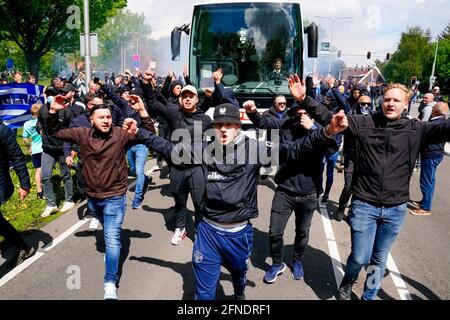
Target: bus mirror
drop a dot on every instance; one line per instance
(313, 40)
(175, 39)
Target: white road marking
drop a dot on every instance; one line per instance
(21, 267)
(398, 280)
(332, 246)
(337, 264)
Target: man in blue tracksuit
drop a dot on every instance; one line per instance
(231, 165)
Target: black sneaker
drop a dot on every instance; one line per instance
(340, 214)
(20, 256)
(324, 199)
(147, 180)
(345, 289)
(40, 195)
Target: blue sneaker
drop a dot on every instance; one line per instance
(273, 272)
(297, 270)
(136, 203)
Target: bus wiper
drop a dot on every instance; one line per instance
(244, 87)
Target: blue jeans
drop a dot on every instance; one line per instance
(373, 231)
(110, 212)
(137, 156)
(427, 180)
(330, 161)
(48, 162)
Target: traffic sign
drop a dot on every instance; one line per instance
(136, 57)
(136, 64)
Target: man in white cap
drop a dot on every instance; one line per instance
(185, 175)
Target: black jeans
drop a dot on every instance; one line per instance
(184, 181)
(282, 206)
(10, 234)
(348, 176)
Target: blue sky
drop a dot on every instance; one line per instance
(376, 25)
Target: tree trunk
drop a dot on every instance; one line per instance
(33, 61)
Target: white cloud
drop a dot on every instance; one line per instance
(376, 25)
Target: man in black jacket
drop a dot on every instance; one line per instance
(10, 151)
(231, 165)
(52, 153)
(387, 146)
(298, 185)
(185, 178)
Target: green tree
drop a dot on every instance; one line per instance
(125, 29)
(40, 26)
(412, 58)
(443, 64)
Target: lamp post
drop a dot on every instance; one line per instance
(87, 58)
(333, 21)
(432, 78)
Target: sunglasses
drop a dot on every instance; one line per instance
(365, 104)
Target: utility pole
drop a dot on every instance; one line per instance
(333, 21)
(434, 66)
(87, 58)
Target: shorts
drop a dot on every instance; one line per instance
(36, 159)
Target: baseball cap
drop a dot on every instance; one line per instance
(51, 91)
(227, 113)
(189, 88)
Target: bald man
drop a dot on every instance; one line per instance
(426, 108)
(431, 155)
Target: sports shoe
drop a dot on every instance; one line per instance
(274, 271)
(340, 214)
(67, 205)
(136, 203)
(110, 291)
(40, 195)
(21, 255)
(178, 236)
(147, 180)
(415, 204)
(48, 211)
(324, 199)
(345, 289)
(93, 224)
(297, 270)
(420, 212)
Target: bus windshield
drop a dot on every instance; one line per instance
(257, 45)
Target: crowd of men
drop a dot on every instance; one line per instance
(104, 131)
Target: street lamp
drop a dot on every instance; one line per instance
(333, 21)
(433, 78)
(87, 58)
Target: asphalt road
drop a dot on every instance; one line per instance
(69, 264)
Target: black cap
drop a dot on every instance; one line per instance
(67, 88)
(292, 110)
(123, 89)
(227, 113)
(51, 91)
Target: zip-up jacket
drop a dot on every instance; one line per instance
(386, 152)
(302, 176)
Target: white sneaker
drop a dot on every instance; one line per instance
(67, 206)
(48, 211)
(178, 236)
(110, 291)
(93, 225)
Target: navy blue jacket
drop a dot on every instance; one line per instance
(302, 176)
(10, 151)
(433, 150)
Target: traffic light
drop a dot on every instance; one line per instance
(369, 55)
(388, 56)
(339, 54)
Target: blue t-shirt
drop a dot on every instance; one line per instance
(29, 131)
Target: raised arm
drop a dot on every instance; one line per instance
(261, 121)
